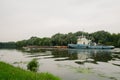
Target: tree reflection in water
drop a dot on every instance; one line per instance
(83, 55)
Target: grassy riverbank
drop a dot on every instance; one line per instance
(8, 72)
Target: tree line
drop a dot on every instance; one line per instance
(59, 39)
(7, 45)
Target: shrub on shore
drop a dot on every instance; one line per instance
(33, 65)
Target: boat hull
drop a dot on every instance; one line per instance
(81, 46)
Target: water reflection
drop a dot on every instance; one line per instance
(65, 54)
(82, 55)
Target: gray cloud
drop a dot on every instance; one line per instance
(21, 19)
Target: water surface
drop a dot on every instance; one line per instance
(69, 64)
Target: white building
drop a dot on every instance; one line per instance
(83, 40)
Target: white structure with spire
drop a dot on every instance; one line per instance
(83, 40)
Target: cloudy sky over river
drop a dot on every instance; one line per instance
(21, 19)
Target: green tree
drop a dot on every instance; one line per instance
(71, 38)
(7, 45)
(101, 37)
(58, 39)
(46, 41)
(21, 43)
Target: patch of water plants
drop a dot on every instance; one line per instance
(84, 70)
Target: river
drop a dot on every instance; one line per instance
(69, 64)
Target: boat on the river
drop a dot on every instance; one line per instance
(84, 43)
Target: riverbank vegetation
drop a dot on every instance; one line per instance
(8, 72)
(33, 65)
(100, 37)
(10, 45)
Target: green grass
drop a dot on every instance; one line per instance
(8, 72)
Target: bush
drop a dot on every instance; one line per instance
(33, 65)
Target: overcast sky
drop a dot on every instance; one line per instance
(21, 19)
